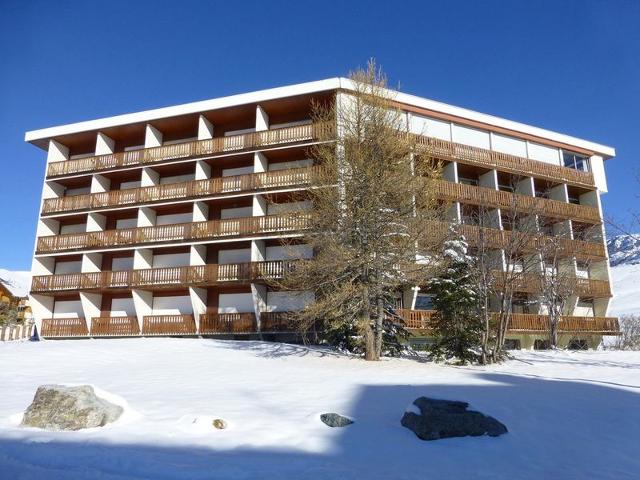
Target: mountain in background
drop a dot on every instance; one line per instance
(18, 282)
(624, 257)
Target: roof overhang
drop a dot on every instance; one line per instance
(41, 137)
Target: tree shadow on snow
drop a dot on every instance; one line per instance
(557, 430)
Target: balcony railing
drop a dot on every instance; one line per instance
(169, 325)
(64, 327)
(525, 323)
(219, 323)
(201, 148)
(195, 231)
(481, 157)
(114, 326)
(158, 278)
(251, 182)
(583, 287)
(490, 198)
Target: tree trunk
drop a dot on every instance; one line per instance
(379, 327)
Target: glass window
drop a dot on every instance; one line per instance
(575, 161)
(424, 302)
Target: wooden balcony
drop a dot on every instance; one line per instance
(159, 278)
(114, 327)
(64, 327)
(531, 323)
(525, 323)
(584, 287)
(251, 182)
(221, 323)
(490, 198)
(481, 157)
(202, 148)
(195, 231)
(277, 322)
(168, 325)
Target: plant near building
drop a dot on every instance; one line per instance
(372, 207)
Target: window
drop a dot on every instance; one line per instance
(468, 181)
(424, 302)
(575, 161)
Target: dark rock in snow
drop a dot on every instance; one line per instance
(56, 407)
(335, 420)
(219, 423)
(448, 418)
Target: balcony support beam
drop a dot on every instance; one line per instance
(205, 128)
(104, 144)
(91, 306)
(143, 303)
(152, 137)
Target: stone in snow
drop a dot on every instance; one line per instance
(57, 407)
(335, 420)
(448, 418)
(219, 423)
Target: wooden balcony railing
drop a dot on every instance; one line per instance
(583, 287)
(294, 177)
(481, 157)
(212, 323)
(495, 238)
(168, 325)
(201, 148)
(277, 322)
(490, 198)
(64, 327)
(523, 322)
(228, 228)
(114, 326)
(158, 278)
(526, 323)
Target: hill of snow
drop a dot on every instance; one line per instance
(624, 256)
(569, 414)
(20, 282)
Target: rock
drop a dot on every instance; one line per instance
(219, 423)
(56, 407)
(447, 418)
(335, 420)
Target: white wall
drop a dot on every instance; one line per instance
(544, 153)
(123, 307)
(230, 172)
(510, 145)
(470, 136)
(75, 228)
(239, 212)
(289, 252)
(293, 164)
(174, 218)
(235, 303)
(171, 260)
(430, 127)
(126, 223)
(240, 255)
(68, 267)
(68, 309)
(177, 178)
(288, 301)
(276, 208)
(122, 263)
(172, 305)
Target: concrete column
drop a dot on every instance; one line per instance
(143, 303)
(104, 144)
(200, 212)
(149, 177)
(205, 128)
(260, 162)
(96, 222)
(47, 226)
(409, 297)
(91, 263)
(52, 190)
(262, 119)
(43, 266)
(146, 217)
(100, 183)
(142, 258)
(493, 217)
(152, 137)
(57, 152)
(260, 206)
(203, 170)
(91, 306)
(41, 307)
(450, 172)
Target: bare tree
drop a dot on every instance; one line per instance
(373, 204)
(629, 338)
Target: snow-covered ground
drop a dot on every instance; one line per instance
(569, 414)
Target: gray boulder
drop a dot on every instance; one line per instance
(335, 420)
(448, 418)
(56, 407)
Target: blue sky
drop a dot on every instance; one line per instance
(568, 66)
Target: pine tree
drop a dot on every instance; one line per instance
(457, 324)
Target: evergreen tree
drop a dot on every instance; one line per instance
(457, 324)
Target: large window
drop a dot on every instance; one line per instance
(424, 302)
(575, 161)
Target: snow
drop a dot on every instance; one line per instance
(20, 281)
(569, 414)
(626, 291)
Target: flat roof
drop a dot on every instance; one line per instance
(36, 137)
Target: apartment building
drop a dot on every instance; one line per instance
(171, 221)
